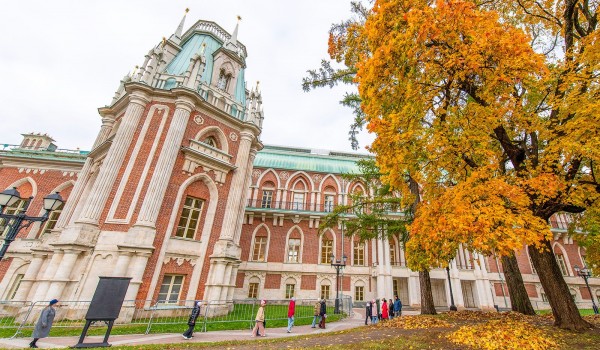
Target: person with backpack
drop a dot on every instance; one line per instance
(317, 311)
(323, 314)
(192, 321)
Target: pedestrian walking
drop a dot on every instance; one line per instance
(43, 325)
(291, 313)
(384, 310)
(323, 314)
(373, 312)
(397, 307)
(391, 308)
(317, 311)
(378, 302)
(260, 320)
(368, 312)
(192, 321)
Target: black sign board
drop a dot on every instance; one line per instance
(105, 306)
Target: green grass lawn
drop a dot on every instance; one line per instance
(239, 318)
(582, 312)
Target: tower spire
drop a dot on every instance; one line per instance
(231, 44)
(176, 37)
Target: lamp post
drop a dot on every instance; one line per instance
(452, 306)
(15, 221)
(586, 273)
(338, 265)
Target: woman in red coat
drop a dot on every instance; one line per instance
(384, 310)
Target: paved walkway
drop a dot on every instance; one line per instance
(139, 339)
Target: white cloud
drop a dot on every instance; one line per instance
(61, 60)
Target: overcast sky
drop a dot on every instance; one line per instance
(61, 60)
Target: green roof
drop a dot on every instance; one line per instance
(292, 158)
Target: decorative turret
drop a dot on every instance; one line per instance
(232, 43)
(176, 37)
(38, 142)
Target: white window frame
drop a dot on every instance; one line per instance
(171, 284)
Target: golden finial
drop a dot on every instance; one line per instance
(187, 9)
(239, 18)
(164, 41)
(202, 48)
(257, 83)
(135, 70)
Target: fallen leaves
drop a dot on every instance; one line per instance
(415, 322)
(506, 333)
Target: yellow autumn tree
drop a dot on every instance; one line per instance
(500, 135)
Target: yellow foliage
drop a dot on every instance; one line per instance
(415, 322)
(504, 334)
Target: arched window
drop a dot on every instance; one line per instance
(253, 287)
(211, 141)
(328, 199)
(298, 195)
(290, 288)
(259, 246)
(189, 218)
(267, 195)
(560, 259)
(326, 248)
(224, 79)
(293, 248)
(325, 289)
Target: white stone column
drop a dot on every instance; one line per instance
(112, 163)
(122, 265)
(42, 286)
(63, 274)
(73, 200)
(30, 277)
(164, 165)
(380, 269)
(108, 122)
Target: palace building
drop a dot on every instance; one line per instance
(179, 193)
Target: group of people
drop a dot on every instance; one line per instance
(320, 313)
(383, 309)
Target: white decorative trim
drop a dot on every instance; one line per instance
(233, 136)
(285, 175)
(198, 119)
(256, 173)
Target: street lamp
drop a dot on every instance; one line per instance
(452, 306)
(338, 265)
(15, 221)
(586, 273)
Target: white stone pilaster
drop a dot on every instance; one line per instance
(98, 196)
(63, 274)
(237, 189)
(164, 165)
(42, 286)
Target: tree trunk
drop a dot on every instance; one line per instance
(566, 314)
(427, 307)
(519, 299)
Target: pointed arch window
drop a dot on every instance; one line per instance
(293, 255)
(189, 218)
(224, 80)
(326, 249)
(211, 141)
(560, 259)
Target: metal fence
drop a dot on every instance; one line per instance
(240, 314)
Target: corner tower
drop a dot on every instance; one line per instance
(162, 193)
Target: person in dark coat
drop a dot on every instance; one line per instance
(397, 307)
(192, 321)
(323, 314)
(368, 312)
(42, 328)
